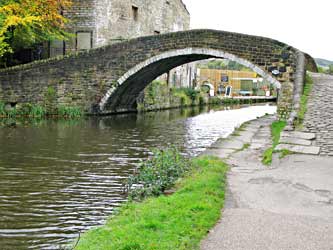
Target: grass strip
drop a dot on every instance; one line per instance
(276, 128)
(176, 222)
(304, 101)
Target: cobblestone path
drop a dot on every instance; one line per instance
(319, 116)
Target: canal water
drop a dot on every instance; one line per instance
(59, 178)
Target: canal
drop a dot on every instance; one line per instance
(59, 178)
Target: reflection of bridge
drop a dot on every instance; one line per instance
(109, 79)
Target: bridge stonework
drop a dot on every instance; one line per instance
(109, 79)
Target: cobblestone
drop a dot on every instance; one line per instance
(319, 116)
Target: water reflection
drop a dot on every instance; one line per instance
(59, 178)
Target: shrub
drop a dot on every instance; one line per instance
(157, 174)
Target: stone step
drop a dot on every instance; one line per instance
(228, 144)
(299, 135)
(310, 150)
(295, 141)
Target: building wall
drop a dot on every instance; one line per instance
(132, 18)
(214, 77)
(97, 23)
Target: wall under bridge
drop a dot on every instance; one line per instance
(109, 79)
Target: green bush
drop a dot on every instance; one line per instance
(157, 174)
(215, 100)
(188, 96)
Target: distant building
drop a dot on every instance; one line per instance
(96, 23)
(241, 82)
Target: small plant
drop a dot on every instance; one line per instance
(184, 99)
(50, 97)
(276, 128)
(2, 109)
(70, 112)
(37, 111)
(215, 100)
(284, 153)
(267, 157)
(157, 174)
(298, 123)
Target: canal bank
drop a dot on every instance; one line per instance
(180, 220)
(285, 206)
(60, 178)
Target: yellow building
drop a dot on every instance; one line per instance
(241, 82)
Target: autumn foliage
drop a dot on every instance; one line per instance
(27, 22)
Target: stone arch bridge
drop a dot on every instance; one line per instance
(108, 79)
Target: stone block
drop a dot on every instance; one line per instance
(229, 144)
(299, 135)
(295, 141)
(310, 150)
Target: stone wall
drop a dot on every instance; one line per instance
(111, 21)
(110, 78)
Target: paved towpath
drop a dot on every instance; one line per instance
(319, 116)
(286, 206)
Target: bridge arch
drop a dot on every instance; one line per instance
(108, 79)
(130, 84)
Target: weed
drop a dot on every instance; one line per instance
(70, 112)
(157, 174)
(276, 129)
(298, 123)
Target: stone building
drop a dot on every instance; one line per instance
(96, 23)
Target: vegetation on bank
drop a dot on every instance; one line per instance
(158, 95)
(157, 174)
(276, 129)
(177, 221)
(28, 110)
(298, 123)
(327, 70)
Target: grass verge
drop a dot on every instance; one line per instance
(276, 128)
(176, 222)
(298, 123)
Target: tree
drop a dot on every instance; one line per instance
(27, 22)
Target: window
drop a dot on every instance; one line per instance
(135, 12)
(83, 40)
